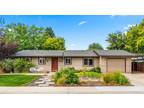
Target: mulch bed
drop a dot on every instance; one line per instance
(89, 83)
(85, 82)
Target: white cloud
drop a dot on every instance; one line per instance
(81, 23)
(72, 45)
(128, 26)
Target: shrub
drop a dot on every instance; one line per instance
(66, 76)
(61, 81)
(84, 69)
(96, 69)
(7, 65)
(89, 74)
(15, 65)
(108, 78)
(57, 76)
(115, 78)
(22, 65)
(71, 78)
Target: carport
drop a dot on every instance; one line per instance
(138, 64)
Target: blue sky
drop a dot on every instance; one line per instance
(79, 30)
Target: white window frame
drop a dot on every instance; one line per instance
(43, 61)
(65, 59)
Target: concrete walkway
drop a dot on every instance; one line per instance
(44, 81)
(72, 90)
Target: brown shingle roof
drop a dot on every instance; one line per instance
(113, 53)
(71, 53)
(79, 53)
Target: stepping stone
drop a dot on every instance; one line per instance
(41, 79)
(39, 82)
(51, 83)
(43, 85)
(48, 80)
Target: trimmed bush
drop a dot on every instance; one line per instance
(57, 76)
(22, 65)
(7, 65)
(115, 78)
(61, 81)
(66, 76)
(15, 65)
(89, 74)
(96, 69)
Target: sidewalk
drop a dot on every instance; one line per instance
(72, 90)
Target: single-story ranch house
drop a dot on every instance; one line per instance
(53, 60)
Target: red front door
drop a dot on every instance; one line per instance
(54, 64)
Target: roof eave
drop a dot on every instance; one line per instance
(117, 55)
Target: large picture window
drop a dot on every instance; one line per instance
(41, 61)
(67, 61)
(88, 62)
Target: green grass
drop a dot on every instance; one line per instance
(17, 80)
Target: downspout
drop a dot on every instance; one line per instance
(63, 57)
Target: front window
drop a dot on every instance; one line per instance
(67, 61)
(41, 61)
(88, 62)
(29, 59)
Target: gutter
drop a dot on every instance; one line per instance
(63, 57)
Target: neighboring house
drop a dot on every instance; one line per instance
(53, 60)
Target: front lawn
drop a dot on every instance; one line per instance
(17, 80)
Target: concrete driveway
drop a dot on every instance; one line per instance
(136, 79)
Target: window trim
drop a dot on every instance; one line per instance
(44, 61)
(30, 59)
(67, 63)
(88, 62)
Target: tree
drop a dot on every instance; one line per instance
(95, 46)
(2, 22)
(18, 33)
(49, 32)
(140, 45)
(7, 49)
(135, 38)
(132, 40)
(116, 41)
(54, 44)
(28, 37)
(7, 65)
